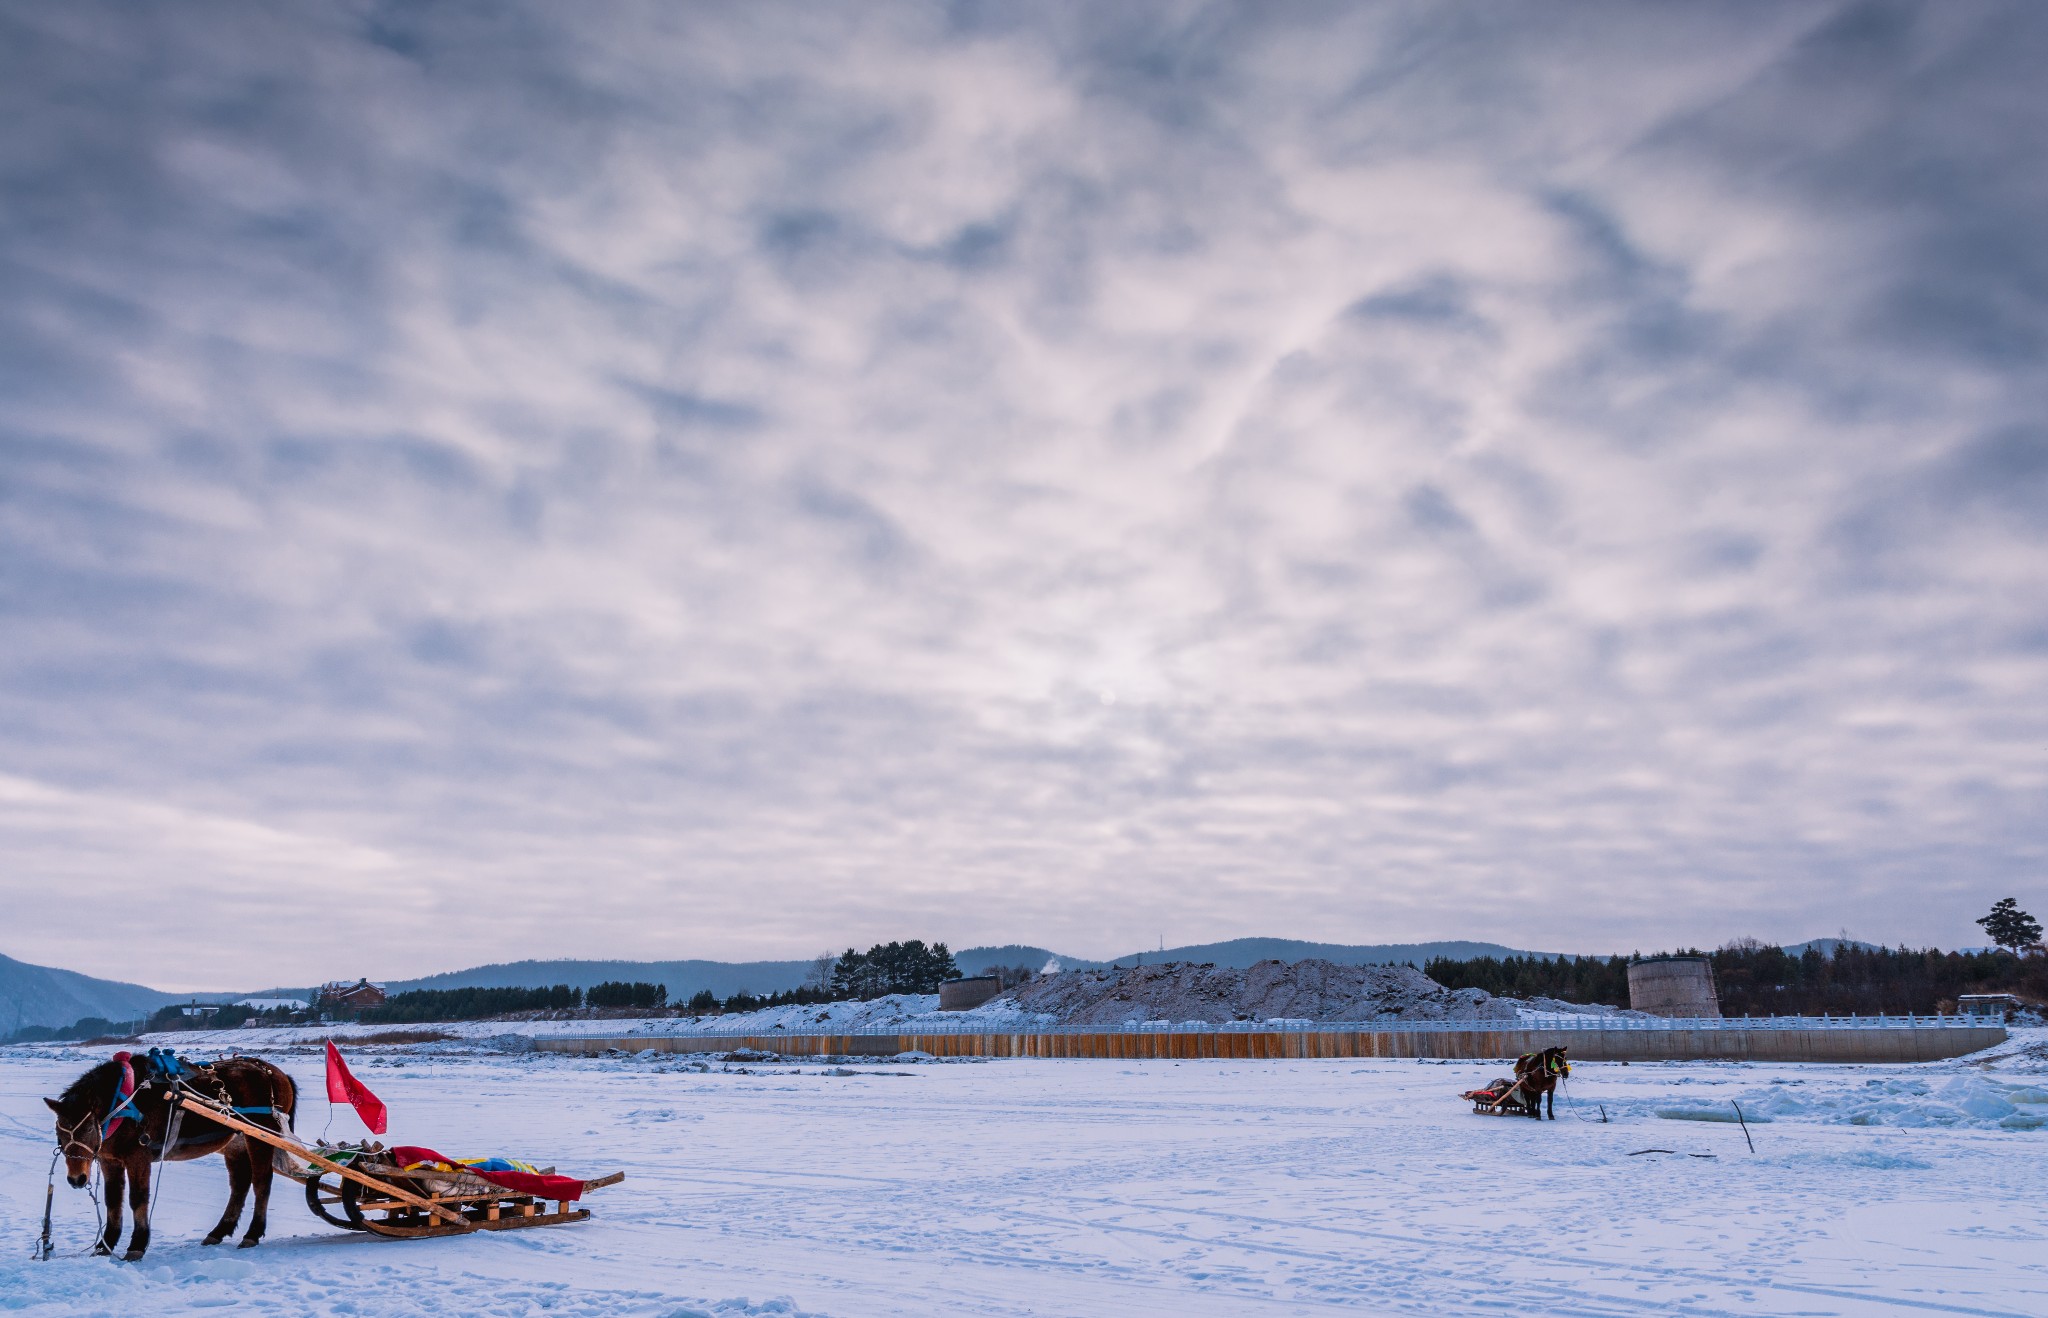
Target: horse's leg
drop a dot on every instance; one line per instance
(1552, 1097)
(236, 1155)
(262, 1162)
(113, 1178)
(138, 1203)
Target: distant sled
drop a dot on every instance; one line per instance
(1536, 1076)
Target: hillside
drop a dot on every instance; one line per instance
(978, 960)
(1827, 947)
(681, 978)
(1240, 953)
(44, 995)
(724, 978)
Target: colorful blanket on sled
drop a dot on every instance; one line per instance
(1492, 1093)
(509, 1173)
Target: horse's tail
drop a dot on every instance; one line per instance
(284, 1101)
(284, 1096)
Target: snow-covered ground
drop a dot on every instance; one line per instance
(899, 1010)
(1041, 1187)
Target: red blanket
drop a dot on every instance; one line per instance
(565, 1188)
(1493, 1092)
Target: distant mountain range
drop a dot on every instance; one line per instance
(1241, 952)
(41, 995)
(682, 978)
(1829, 946)
(725, 978)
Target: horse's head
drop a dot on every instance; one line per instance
(78, 1136)
(1559, 1063)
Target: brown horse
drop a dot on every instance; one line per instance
(1536, 1077)
(94, 1124)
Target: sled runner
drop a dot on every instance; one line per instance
(411, 1192)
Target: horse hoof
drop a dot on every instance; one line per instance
(214, 1240)
(131, 1256)
(102, 1249)
(248, 1244)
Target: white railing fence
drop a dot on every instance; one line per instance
(1382, 1025)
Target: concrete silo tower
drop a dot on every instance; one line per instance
(1674, 986)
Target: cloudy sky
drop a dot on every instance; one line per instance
(483, 481)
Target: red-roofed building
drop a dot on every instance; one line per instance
(340, 995)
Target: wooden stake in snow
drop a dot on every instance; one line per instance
(1745, 1125)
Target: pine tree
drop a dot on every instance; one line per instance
(2009, 926)
(885, 968)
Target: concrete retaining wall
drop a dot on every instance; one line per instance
(1733, 1043)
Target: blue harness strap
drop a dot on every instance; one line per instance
(125, 1108)
(255, 1111)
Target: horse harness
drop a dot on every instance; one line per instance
(160, 1067)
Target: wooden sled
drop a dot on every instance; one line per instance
(376, 1195)
(1502, 1098)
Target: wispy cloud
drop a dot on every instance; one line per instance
(656, 479)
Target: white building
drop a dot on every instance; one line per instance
(272, 1004)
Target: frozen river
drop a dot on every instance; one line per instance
(1026, 1187)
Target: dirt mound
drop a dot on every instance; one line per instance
(1269, 990)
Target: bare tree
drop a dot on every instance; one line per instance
(1010, 977)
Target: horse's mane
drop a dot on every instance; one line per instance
(94, 1086)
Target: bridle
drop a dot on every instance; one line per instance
(70, 1140)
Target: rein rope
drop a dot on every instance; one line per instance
(43, 1247)
(1573, 1105)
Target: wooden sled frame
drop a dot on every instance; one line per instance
(456, 1205)
(1511, 1103)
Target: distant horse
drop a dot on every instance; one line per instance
(126, 1132)
(1536, 1077)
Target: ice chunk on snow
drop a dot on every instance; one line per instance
(1907, 1101)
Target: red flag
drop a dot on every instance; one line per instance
(345, 1088)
